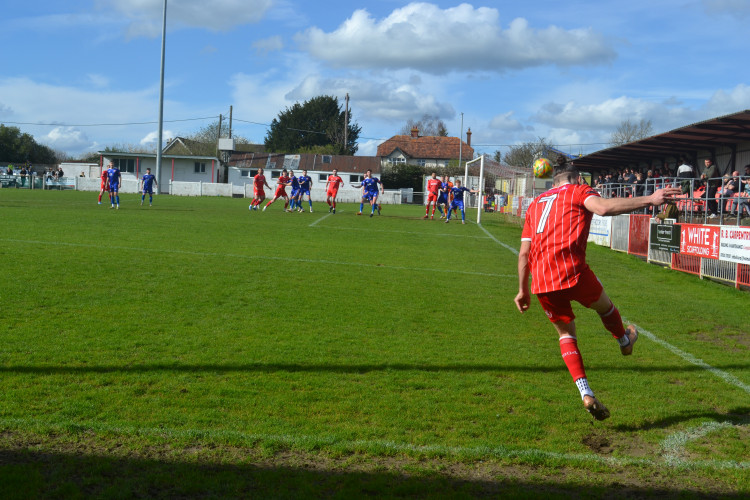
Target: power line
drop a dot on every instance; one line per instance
(106, 124)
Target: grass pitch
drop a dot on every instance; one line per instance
(197, 349)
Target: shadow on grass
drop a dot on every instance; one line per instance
(736, 416)
(34, 474)
(332, 368)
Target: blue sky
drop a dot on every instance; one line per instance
(570, 72)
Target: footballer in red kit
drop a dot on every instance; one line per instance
(259, 194)
(433, 190)
(332, 189)
(553, 255)
(282, 182)
(105, 184)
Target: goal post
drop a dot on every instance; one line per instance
(481, 184)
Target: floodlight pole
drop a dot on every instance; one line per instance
(161, 98)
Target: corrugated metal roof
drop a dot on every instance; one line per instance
(726, 130)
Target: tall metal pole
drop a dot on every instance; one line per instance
(460, 154)
(346, 124)
(161, 98)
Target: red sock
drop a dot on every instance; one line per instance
(572, 357)
(329, 203)
(334, 204)
(100, 197)
(613, 322)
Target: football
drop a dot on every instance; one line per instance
(542, 168)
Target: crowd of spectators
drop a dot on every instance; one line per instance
(729, 194)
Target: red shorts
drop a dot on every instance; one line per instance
(332, 193)
(557, 304)
(104, 186)
(280, 193)
(432, 197)
(259, 193)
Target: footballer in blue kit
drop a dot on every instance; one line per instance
(371, 189)
(305, 183)
(442, 202)
(458, 200)
(113, 173)
(147, 186)
(295, 195)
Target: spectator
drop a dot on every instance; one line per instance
(649, 184)
(710, 176)
(9, 170)
(82, 174)
(640, 184)
(686, 173)
(59, 174)
(23, 176)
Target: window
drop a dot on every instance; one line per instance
(422, 162)
(253, 173)
(397, 160)
(125, 165)
(200, 168)
(356, 178)
(243, 173)
(326, 158)
(275, 174)
(322, 177)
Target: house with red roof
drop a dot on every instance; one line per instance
(425, 151)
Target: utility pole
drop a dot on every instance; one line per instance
(161, 98)
(346, 124)
(230, 122)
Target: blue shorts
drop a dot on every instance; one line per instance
(114, 188)
(148, 191)
(457, 204)
(370, 196)
(304, 192)
(295, 192)
(442, 199)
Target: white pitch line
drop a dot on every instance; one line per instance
(727, 377)
(322, 218)
(254, 257)
(508, 247)
(308, 442)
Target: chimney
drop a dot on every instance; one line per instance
(468, 137)
(414, 132)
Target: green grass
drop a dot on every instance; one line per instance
(195, 348)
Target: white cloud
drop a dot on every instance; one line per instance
(66, 139)
(272, 44)
(216, 15)
(376, 98)
(153, 137)
(96, 80)
(506, 122)
(424, 37)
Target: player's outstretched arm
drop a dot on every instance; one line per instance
(523, 298)
(617, 206)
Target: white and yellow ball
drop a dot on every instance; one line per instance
(542, 168)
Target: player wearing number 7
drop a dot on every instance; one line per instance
(553, 254)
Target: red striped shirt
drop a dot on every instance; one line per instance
(557, 225)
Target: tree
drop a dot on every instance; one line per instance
(428, 126)
(19, 147)
(524, 155)
(628, 132)
(403, 175)
(317, 122)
